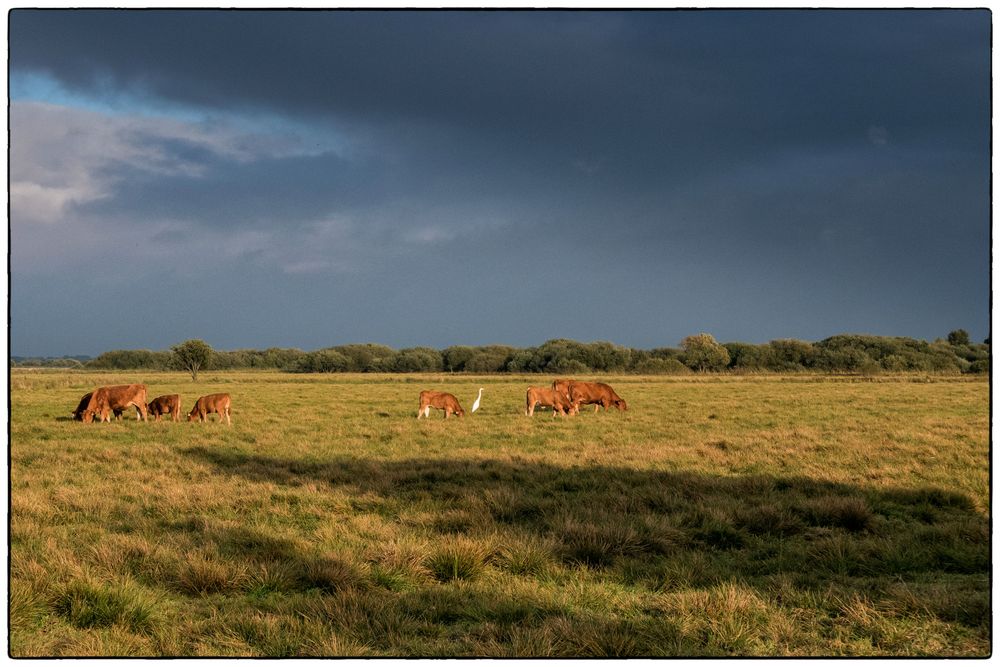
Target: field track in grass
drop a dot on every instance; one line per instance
(718, 516)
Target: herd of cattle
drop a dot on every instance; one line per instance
(564, 397)
(105, 401)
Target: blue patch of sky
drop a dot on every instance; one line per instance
(40, 87)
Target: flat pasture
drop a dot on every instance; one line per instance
(718, 516)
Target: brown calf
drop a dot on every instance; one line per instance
(107, 400)
(168, 404)
(440, 400)
(550, 398)
(206, 405)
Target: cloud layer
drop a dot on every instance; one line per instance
(315, 178)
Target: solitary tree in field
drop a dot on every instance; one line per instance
(192, 355)
(702, 353)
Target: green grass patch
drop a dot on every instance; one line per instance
(88, 605)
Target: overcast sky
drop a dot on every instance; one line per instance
(307, 179)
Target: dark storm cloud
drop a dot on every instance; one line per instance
(757, 174)
(563, 76)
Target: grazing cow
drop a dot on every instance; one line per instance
(440, 400)
(107, 400)
(562, 386)
(598, 393)
(168, 404)
(78, 413)
(206, 405)
(550, 398)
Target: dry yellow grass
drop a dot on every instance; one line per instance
(718, 516)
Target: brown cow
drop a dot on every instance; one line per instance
(598, 393)
(107, 400)
(168, 404)
(78, 413)
(440, 400)
(206, 405)
(550, 398)
(562, 386)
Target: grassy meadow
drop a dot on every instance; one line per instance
(719, 516)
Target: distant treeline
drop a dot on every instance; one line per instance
(50, 362)
(701, 353)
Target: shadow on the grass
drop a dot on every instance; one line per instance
(658, 531)
(647, 511)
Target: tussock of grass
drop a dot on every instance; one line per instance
(458, 558)
(456, 521)
(116, 640)
(968, 605)
(389, 579)
(527, 641)
(328, 574)
(268, 578)
(26, 607)
(202, 574)
(532, 557)
(506, 505)
(87, 605)
(852, 514)
(601, 640)
(121, 554)
(597, 542)
(273, 636)
(690, 569)
(770, 519)
(363, 620)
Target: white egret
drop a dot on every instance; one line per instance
(475, 406)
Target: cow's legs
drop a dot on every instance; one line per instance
(229, 422)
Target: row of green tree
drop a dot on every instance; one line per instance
(698, 353)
